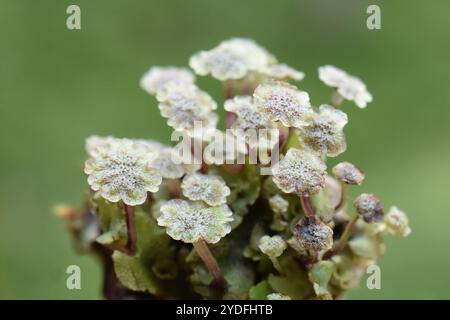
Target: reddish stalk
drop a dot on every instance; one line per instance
(230, 117)
(336, 99)
(284, 138)
(131, 230)
(210, 262)
(343, 240)
(227, 90)
(306, 205)
(342, 201)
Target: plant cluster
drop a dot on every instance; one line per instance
(165, 228)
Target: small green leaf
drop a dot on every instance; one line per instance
(344, 276)
(240, 278)
(295, 283)
(245, 188)
(297, 247)
(320, 274)
(111, 218)
(201, 280)
(260, 291)
(134, 275)
(152, 268)
(366, 247)
(252, 250)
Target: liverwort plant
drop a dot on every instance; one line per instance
(157, 77)
(208, 188)
(397, 222)
(273, 247)
(347, 86)
(196, 223)
(120, 171)
(348, 174)
(249, 212)
(283, 102)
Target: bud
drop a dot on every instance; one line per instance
(369, 207)
(313, 234)
(278, 204)
(348, 173)
(272, 246)
(397, 222)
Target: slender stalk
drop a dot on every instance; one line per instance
(230, 117)
(306, 205)
(204, 168)
(343, 199)
(174, 188)
(228, 94)
(227, 90)
(277, 265)
(131, 229)
(284, 137)
(208, 259)
(336, 99)
(313, 256)
(344, 238)
(196, 148)
(245, 89)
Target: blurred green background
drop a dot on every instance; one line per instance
(59, 86)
